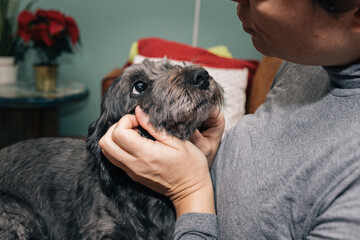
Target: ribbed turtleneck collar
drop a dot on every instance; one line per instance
(345, 77)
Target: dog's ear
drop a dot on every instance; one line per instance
(95, 132)
(111, 112)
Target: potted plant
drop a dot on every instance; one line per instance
(50, 33)
(10, 51)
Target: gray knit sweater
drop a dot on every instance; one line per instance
(292, 169)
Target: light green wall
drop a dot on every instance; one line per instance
(108, 27)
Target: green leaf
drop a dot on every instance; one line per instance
(30, 4)
(9, 10)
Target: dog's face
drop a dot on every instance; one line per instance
(177, 98)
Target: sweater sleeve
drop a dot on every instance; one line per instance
(196, 226)
(342, 219)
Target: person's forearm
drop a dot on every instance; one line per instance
(198, 200)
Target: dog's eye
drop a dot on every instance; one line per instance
(139, 88)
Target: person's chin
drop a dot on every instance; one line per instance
(260, 46)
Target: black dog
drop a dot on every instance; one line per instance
(55, 188)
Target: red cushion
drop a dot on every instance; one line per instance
(158, 48)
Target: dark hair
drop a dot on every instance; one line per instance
(337, 7)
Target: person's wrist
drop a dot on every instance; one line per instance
(198, 198)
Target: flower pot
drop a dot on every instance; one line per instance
(45, 77)
(8, 70)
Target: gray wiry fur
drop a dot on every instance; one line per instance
(55, 188)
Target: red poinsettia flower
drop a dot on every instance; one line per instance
(55, 19)
(25, 18)
(41, 33)
(50, 32)
(72, 29)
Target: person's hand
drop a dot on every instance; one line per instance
(208, 138)
(174, 168)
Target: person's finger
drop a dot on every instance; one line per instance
(121, 157)
(136, 168)
(127, 137)
(216, 119)
(160, 136)
(116, 162)
(201, 142)
(196, 137)
(107, 145)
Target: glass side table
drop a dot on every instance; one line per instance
(27, 113)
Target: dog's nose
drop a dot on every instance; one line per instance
(200, 78)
